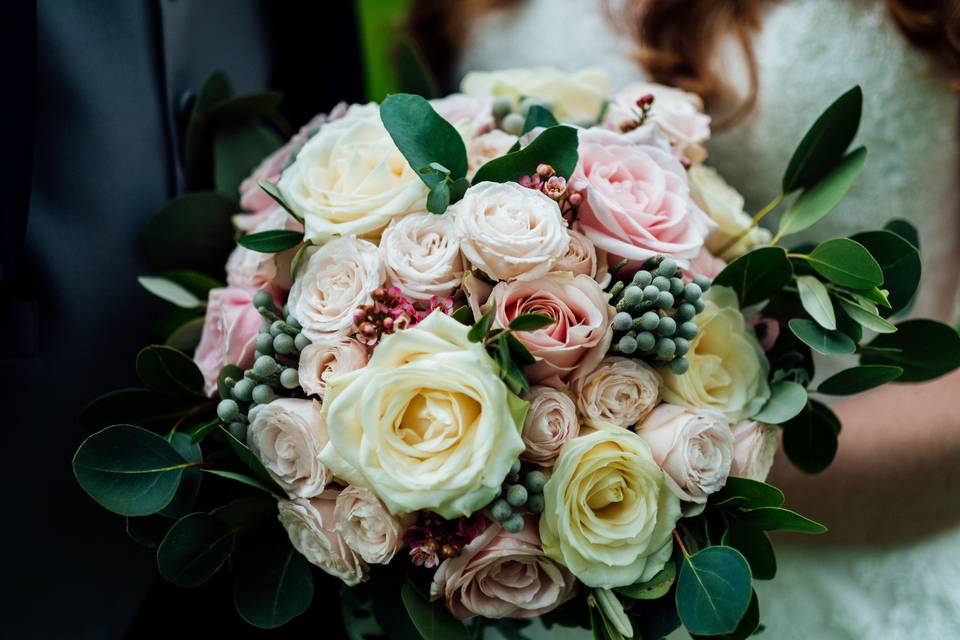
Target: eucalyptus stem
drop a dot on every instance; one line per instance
(773, 204)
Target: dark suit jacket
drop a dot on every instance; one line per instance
(94, 99)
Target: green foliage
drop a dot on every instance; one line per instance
(779, 519)
(713, 590)
(187, 336)
(787, 399)
(424, 137)
(141, 407)
(531, 322)
(825, 142)
(556, 146)
(168, 371)
(148, 531)
(237, 150)
(816, 301)
(847, 263)
(231, 371)
(129, 470)
(810, 439)
(273, 241)
(479, 331)
(186, 496)
(756, 547)
(248, 458)
(192, 231)
(196, 146)
(170, 291)
(655, 587)
(273, 587)
(432, 619)
(751, 494)
(829, 343)
(274, 192)
(538, 116)
(194, 549)
(924, 349)
(820, 198)
(900, 262)
(758, 275)
(859, 379)
(413, 75)
(866, 315)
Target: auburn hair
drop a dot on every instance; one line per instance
(677, 38)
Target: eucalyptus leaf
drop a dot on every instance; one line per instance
(538, 116)
(756, 547)
(758, 275)
(141, 407)
(244, 108)
(237, 150)
(810, 439)
(170, 291)
(168, 371)
(749, 623)
(272, 241)
(192, 231)
(248, 458)
(555, 146)
(713, 590)
(825, 142)
(743, 492)
(432, 619)
(867, 319)
(821, 197)
(413, 74)
(243, 479)
(859, 379)
(423, 136)
(187, 336)
(787, 399)
(905, 230)
(196, 146)
(924, 349)
(439, 198)
(129, 470)
(900, 262)
(246, 511)
(816, 301)
(148, 531)
(829, 343)
(186, 496)
(655, 587)
(847, 263)
(779, 519)
(194, 549)
(273, 587)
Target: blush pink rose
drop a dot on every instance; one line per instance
(503, 575)
(246, 268)
(475, 113)
(229, 328)
(706, 264)
(580, 335)
(637, 199)
(754, 448)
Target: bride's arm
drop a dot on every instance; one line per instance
(896, 476)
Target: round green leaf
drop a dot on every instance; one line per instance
(192, 231)
(825, 142)
(423, 136)
(186, 496)
(237, 150)
(439, 198)
(748, 624)
(194, 549)
(168, 371)
(816, 301)
(170, 291)
(787, 399)
(924, 349)
(655, 587)
(432, 619)
(900, 262)
(129, 470)
(273, 587)
(847, 263)
(713, 590)
(538, 116)
(820, 198)
(810, 439)
(556, 146)
(187, 336)
(830, 343)
(859, 379)
(756, 547)
(273, 241)
(252, 462)
(758, 275)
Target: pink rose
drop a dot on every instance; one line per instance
(229, 328)
(582, 258)
(754, 447)
(580, 335)
(550, 423)
(484, 148)
(246, 268)
(637, 200)
(326, 359)
(706, 264)
(286, 435)
(503, 575)
(371, 531)
(475, 113)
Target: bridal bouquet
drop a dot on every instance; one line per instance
(513, 353)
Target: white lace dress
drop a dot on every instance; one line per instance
(810, 51)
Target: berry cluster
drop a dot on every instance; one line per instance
(432, 539)
(655, 314)
(278, 347)
(390, 311)
(515, 496)
(555, 187)
(512, 121)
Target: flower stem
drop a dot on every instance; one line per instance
(683, 549)
(773, 204)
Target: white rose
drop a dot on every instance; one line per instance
(728, 369)
(350, 178)
(370, 530)
(324, 360)
(248, 268)
(609, 514)
(550, 423)
(724, 205)
(510, 232)
(574, 96)
(331, 283)
(583, 258)
(484, 148)
(422, 256)
(677, 113)
(312, 527)
(621, 391)
(754, 447)
(472, 114)
(427, 424)
(694, 448)
(286, 436)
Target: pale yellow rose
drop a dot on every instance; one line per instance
(427, 424)
(728, 369)
(574, 96)
(609, 513)
(724, 205)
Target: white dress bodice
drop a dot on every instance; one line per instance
(808, 53)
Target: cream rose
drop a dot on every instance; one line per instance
(694, 448)
(502, 575)
(312, 527)
(620, 391)
(324, 360)
(286, 436)
(580, 335)
(248, 268)
(510, 232)
(575, 96)
(728, 369)
(754, 447)
(675, 112)
(551, 422)
(370, 530)
(583, 258)
(609, 512)
(350, 178)
(422, 257)
(484, 148)
(724, 205)
(471, 114)
(331, 283)
(427, 424)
